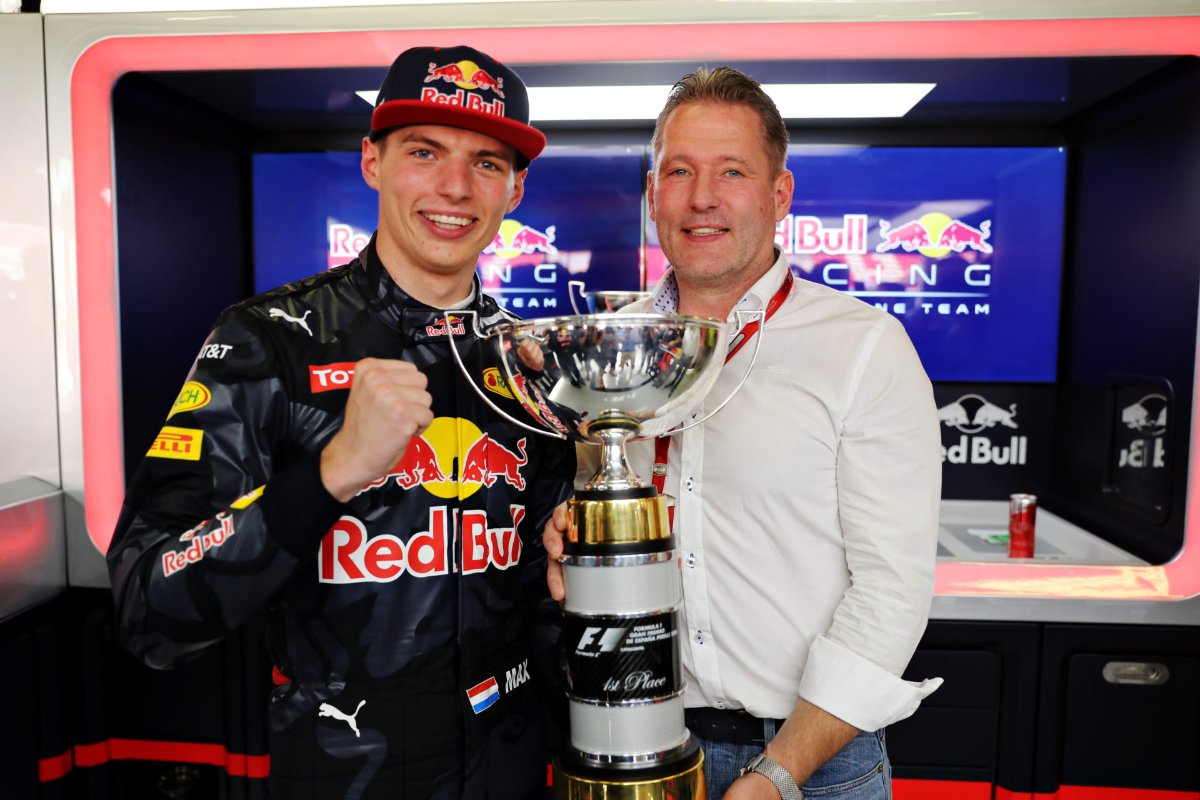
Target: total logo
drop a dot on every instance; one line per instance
(453, 458)
(934, 235)
(515, 238)
(972, 414)
(1147, 416)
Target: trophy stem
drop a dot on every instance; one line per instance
(614, 472)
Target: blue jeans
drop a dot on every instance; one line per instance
(860, 770)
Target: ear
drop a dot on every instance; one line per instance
(518, 191)
(370, 162)
(785, 185)
(650, 192)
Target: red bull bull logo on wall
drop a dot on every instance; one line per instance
(972, 415)
(934, 235)
(1148, 418)
(453, 458)
(515, 238)
(517, 245)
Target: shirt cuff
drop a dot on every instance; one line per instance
(855, 690)
(297, 509)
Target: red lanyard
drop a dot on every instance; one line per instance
(662, 444)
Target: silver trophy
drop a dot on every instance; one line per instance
(604, 379)
(601, 302)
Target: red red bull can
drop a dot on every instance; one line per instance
(1022, 517)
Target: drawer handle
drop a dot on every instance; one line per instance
(1136, 673)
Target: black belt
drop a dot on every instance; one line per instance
(729, 725)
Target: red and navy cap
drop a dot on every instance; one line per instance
(457, 86)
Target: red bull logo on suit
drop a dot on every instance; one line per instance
(347, 555)
(454, 458)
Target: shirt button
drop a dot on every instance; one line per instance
(691, 560)
(690, 483)
(700, 637)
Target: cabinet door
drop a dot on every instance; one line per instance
(1132, 720)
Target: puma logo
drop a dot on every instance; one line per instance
(279, 313)
(326, 710)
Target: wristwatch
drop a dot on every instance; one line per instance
(770, 769)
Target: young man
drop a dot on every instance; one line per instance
(386, 518)
(806, 510)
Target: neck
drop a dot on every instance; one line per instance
(715, 300)
(434, 289)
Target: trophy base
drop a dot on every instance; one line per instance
(682, 779)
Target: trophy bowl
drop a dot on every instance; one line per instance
(643, 373)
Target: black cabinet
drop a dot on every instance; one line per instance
(977, 726)
(1120, 707)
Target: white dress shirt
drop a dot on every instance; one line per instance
(806, 512)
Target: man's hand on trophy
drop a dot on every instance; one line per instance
(552, 540)
(388, 406)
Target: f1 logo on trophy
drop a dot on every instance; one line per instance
(605, 379)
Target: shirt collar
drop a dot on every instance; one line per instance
(665, 297)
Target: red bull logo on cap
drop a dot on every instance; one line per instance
(471, 81)
(453, 458)
(934, 235)
(465, 75)
(515, 238)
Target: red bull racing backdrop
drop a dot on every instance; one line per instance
(580, 219)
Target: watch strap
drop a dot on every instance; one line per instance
(773, 771)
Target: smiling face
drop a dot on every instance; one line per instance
(443, 192)
(716, 196)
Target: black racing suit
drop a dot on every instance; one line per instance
(400, 618)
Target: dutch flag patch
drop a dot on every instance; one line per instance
(483, 695)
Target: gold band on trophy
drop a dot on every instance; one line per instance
(636, 519)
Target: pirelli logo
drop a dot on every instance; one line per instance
(178, 443)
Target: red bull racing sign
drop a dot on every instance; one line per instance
(904, 268)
